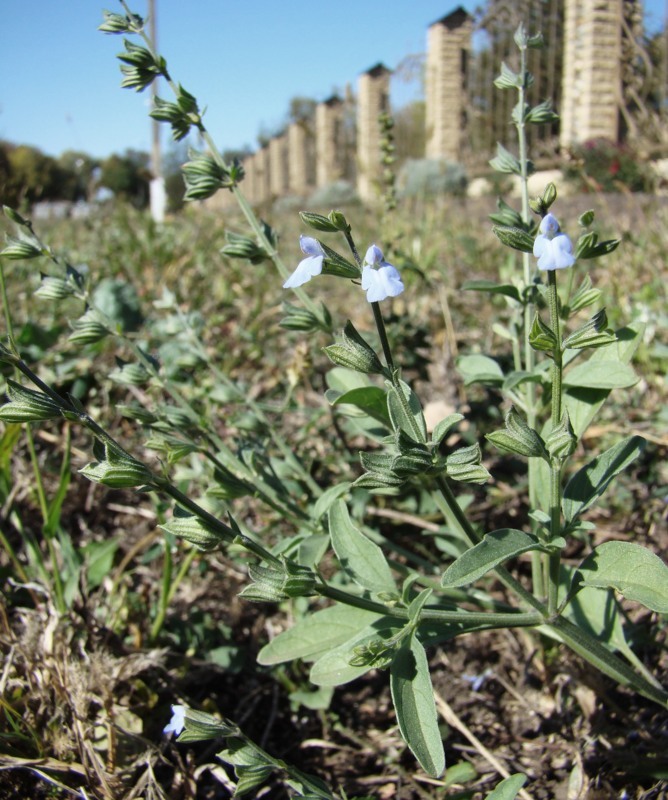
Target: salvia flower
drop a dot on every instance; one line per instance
(380, 280)
(178, 721)
(309, 266)
(552, 248)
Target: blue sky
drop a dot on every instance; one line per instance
(243, 59)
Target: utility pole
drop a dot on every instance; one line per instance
(158, 196)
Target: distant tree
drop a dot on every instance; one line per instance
(127, 176)
(301, 109)
(32, 175)
(409, 130)
(77, 174)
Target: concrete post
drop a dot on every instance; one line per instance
(328, 156)
(373, 99)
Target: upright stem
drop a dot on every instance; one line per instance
(554, 559)
(530, 389)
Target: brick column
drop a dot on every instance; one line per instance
(448, 46)
(262, 179)
(299, 159)
(250, 178)
(278, 166)
(591, 89)
(328, 155)
(373, 99)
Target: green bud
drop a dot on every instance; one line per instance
(465, 465)
(121, 472)
(505, 161)
(55, 288)
(541, 337)
(542, 114)
(586, 219)
(516, 238)
(518, 437)
(318, 222)
(276, 583)
(594, 333)
(117, 23)
(240, 246)
(200, 726)
(336, 264)
(88, 328)
(508, 79)
(354, 352)
(192, 529)
(561, 442)
(129, 374)
(27, 405)
(586, 295)
(15, 217)
(20, 247)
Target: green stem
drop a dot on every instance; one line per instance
(382, 333)
(487, 619)
(553, 560)
(165, 590)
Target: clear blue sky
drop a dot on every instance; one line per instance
(243, 59)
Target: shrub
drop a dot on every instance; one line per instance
(601, 165)
(429, 176)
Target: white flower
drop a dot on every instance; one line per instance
(177, 723)
(552, 248)
(309, 266)
(382, 282)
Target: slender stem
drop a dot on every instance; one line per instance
(382, 333)
(165, 590)
(553, 559)
(487, 618)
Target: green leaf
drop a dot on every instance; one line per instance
(630, 569)
(334, 667)
(506, 289)
(406, 411)
(584, 403)
(328, 497)
(316, 634)
(359, 557)
(371, 399)
(443, 427)
(592, 480)
(508, 788)
(479, 369)
(413, 698)
(495, 548)
(604, 374)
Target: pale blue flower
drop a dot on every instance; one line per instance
(178, 721)
(380, 283)
(552, 248)
(309, 266)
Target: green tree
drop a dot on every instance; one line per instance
(127, 176)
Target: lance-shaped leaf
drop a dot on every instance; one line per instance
(630, 569)
(518, 437)
(495, 548)
(592, 480)
(316, 634)
(508, 788)
(413, 698)
(406, 412)
(359, 557)
(443, 427)
(479, 369)
(482, 285)
(603, 374)
(27, 405)
(370, 399)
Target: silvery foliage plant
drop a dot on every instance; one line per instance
(383, 612)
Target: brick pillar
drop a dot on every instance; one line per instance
(278, 165)
(263, 178)
(328, 155)
(250, 178)
(299, 159)
(591, 81)
(373, 99)
(448, 46)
